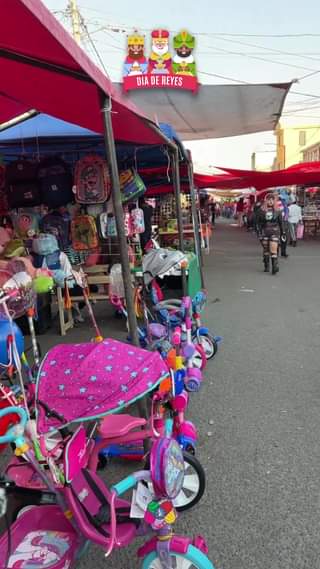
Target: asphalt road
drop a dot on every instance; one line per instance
(257, 413)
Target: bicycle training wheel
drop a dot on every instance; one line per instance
(208, 344)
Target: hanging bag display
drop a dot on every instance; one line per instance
(58, 225)
(26, 223)
(300, 231)
(137, 219)
(111, 225)
(131, 185)
(92, 180)
(55, 181)
(84, 233)
(128, 226)
(22, 187)
(102, 225)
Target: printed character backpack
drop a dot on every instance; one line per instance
(55, 181)
(22, 187)
(131, 185)
(84, 233)
(137, 219)
(26, 223)
(59, 226)
(92, 180)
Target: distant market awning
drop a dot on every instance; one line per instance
(305, 173)
(216, 111)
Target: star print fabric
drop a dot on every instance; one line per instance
(86, 381)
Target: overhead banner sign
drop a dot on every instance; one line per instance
(161, 69)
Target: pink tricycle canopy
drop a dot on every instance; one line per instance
(82, 382)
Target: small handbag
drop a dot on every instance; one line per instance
(300, 231)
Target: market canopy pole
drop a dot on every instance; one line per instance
(174, 153)
(196, 226)
(118, 213)
(177, 192)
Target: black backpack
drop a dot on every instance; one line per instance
(22, 187)
(59, 226)
(55, 181)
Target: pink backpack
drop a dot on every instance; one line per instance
(92, 180)
(137, 219)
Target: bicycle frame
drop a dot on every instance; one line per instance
(80, 511)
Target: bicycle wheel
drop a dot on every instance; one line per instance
(208, 344)
(194, 484)
(193, 559)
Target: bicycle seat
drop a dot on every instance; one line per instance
(119, 425)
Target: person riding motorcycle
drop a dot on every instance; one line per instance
(270, 228)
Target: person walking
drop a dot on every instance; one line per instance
(240, 211)
(270, 227)
(148, 211)
(294, 218)
(283, 206)
(213, 212)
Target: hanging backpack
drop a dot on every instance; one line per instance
(111, 225)
(26, 223)
(22, 187)
(55, 181)
(102, 225)
(131, 185)
(92, 180)
(84, 233)
(58, 225)
(137, 219)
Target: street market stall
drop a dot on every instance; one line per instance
(304, 176)
(40, 64)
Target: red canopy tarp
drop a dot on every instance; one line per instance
(43, 68)
(159, 180)
(300, 174)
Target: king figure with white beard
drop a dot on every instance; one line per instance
(160, 60)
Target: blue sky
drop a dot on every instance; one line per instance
(248, 57)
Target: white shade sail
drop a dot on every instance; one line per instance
(216, 111)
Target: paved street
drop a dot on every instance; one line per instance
(261, 509)
(262, 393)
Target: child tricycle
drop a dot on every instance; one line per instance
(86, 511)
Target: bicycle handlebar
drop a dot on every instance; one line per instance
(15, 433)
(5, 295)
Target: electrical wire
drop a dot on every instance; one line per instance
(222, 77)
(86, 30)
(305, 94)
(217, 34)
(272, 50)
(264, 59)
(108, 30)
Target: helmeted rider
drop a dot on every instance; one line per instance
(270, 226)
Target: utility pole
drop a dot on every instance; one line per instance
(253, 161)
(75, 20)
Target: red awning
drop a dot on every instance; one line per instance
(299, 174)
(43, 68)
